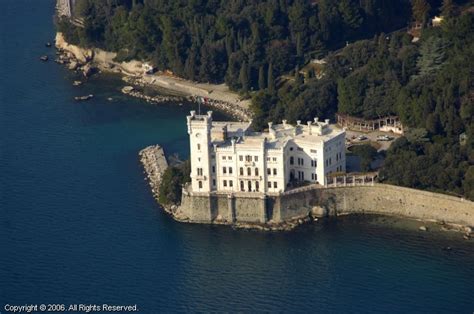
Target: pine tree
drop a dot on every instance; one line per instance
(190, 65)
(299, 45)
(244, 77)
(420, 10)
(261, 78)
(447, 9)
(271, 81)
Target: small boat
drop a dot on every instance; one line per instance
(87, 97)
(44, 58)
(77, 83)
(48, 44)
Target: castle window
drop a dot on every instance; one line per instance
(255, 158)
(241, 171)
(230, 170)
(275, 185)
(274, 171)
(224, 170)
(214, 182)
(224, 157)
(242, 185)
(241, 158)
(214, 170)
(229, 158)
(269, 171)
(291, 148)
(257, 186)
(200, 184)
(256, 171)
(302, 161)
(199, 146)
(248, 158)
(269, 184)
(313, 151)
(199, 171)
(274, 159)
(268, 158)
(292, 160)
(225, 183)
(231, 183)
(249, 185)
(249, 171)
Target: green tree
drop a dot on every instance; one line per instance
(244, 77)
(421, 10)
(261, 78)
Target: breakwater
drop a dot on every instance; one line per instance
(154, 163)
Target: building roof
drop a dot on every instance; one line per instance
(278, 135)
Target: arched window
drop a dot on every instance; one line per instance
(249, 171)
(256, 171)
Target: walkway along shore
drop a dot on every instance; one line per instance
(89, 61)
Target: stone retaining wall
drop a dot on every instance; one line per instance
(319, 202)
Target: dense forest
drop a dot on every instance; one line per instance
(262, 49)
(244, 42)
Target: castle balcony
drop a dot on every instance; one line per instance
(249, 163)
(198, 177)
(251, 177)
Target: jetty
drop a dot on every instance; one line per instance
(154, 163)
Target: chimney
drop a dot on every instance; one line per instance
(193, 113)
(326, 121)
(284, 123)
(233, 144)
(298, 122)
(270, 124)
(316, 119)
(209, 114)
(309, 127)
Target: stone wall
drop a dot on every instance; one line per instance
(223, 208)
(399, 201)
(377, 199)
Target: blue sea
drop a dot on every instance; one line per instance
(78, 224)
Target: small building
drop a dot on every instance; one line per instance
(227, 157)
(437, 21)
(384, 124)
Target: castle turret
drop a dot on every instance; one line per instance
(199, 130)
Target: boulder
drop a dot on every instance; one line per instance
(73, 66)
(88, 70)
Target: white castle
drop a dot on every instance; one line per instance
(226, 157)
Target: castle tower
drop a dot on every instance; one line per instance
(199, 130)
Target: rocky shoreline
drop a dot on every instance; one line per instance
(92, 61)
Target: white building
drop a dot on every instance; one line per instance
(227, 157)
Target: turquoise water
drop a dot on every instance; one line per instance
(78, 223)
